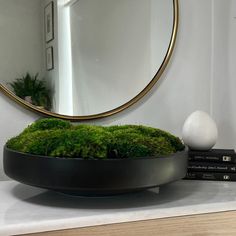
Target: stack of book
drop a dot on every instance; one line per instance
(216, 164)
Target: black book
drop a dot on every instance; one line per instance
(214, 155)
(211, 167)
(211, 176)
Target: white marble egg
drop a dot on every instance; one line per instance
(199, 131)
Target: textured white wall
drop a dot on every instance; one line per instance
(224, 73)
(184, 87)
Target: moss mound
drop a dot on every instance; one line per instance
(48, 124)
(58, 138)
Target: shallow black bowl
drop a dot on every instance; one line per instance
(94, 177)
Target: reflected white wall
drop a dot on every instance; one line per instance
(52, 75)
(113, 60)
(160, 12)
(21, 36)
(65, 60)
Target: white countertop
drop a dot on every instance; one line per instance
(25, 209)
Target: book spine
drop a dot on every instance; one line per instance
(220, 158)
(211, 167)
(211, 176)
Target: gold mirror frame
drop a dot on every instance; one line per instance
(31, 107)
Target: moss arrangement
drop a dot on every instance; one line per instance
(59, 138)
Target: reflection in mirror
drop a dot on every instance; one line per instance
(82, 57)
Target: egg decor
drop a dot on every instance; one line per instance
(199, 131)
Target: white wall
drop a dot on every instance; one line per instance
(184, 87)
(224, 73)
(20, 44)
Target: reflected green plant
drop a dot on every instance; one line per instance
(33, 87)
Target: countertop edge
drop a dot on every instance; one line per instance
(106, 219)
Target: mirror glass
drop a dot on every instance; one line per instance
(82, 57)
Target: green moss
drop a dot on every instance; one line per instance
(169, 141)
(47, 124)
(83, 141)
(57, 138)
(128, 143)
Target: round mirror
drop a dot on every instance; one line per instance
(84, 59)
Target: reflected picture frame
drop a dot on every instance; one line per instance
(49, 22)
(49, 59)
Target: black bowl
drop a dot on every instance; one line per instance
(94, 177)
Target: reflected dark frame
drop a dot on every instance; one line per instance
(50, 6)
(49, 62)
(157, 76)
